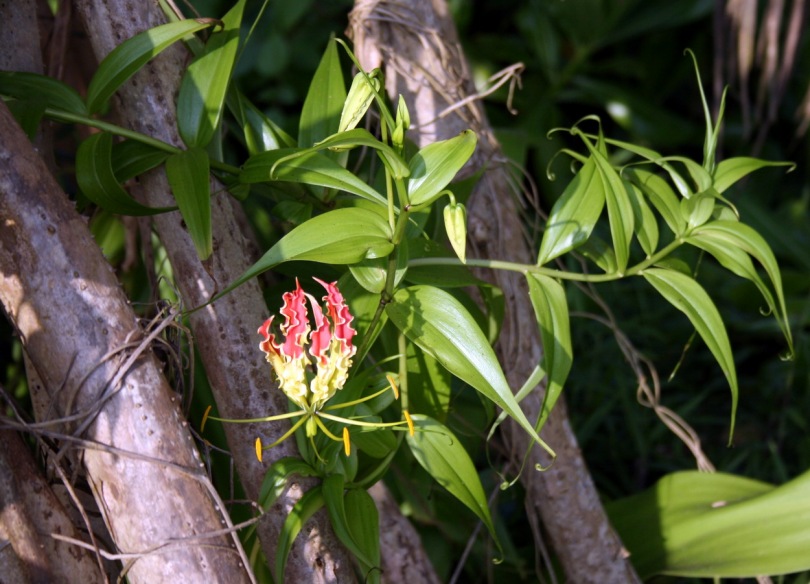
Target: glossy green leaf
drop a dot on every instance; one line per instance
(311, 168)
(697, 209)
(644, 221)
(134, 53)
(96, 179)
(448, 276)
(574, 215)
(205, 82)
(131, 158)
(732, 235)
(189, 179)
(696, 524)
(551, 310)
(303, 509)
(689, 297)
(372, 273)
(435, 165)
(342, 236)
(364, 525)
(275, 480)
(620, 210)
(731, 170)
(320, 115)
(333, 490)
(661, 195)
(429, 384)
(439, 325)
(362, 137)
(441, 454)
(30, 87)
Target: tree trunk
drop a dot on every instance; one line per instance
(416, 43)
(77, 327)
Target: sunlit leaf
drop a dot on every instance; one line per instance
(731, 170)
(644, 223)
(574, 215)
(362, 92)
(362, 137)
(697, 209)
(435, 165)
(342, 236)
(364, 525)
(134, 53)
(441, 454)
(96, 179)
(438, 323)
(551, 310)
(320, 114)
(205, 82)
(189, 179)
(689, 297)
(311, 168)
(661, 195)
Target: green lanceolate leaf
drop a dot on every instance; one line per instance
(724, 237)
(661, 195)
(372, 274)
(364, 525)
(342, 236)
(551, 310)
(441, 454)
(307, 167)
(205, 82)
(361, 137)
(730, 171)
(697, 209)
(261, 133)
(30, 87)
(305, 508)
(134, 53)
(131, 158)
(644, 221)
(439, 325)
(333, 492)
(94, 174)
(320, 115)
(435, 165)
(716, 525)
(188, 175)
(574, 214)
(690, 298)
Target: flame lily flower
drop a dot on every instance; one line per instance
(311, 360)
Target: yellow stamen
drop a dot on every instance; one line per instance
(259, 449)
(409, 420)
(205, 418)
(390, 379)
(347, 445)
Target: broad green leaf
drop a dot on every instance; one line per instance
(312, 168)
(599, 252)
(305, 508)
(435, 165)
(697, 209)
(661, 195)
(94, 174)
(333, 489)
(439, 325)
(441, 454)
(125, 59)
(644, 223)
(620, 210)
(275, 480)
(371, 274)
(361, 137)
(443, 276)
(730, 171)
(551, 310)
(342, 236)
(261, 134)
(689, 297)
(205, 82)
(574, 215)
(701, 178)
(732, 235)
(377, 443)
(715, 525)
(189, 179)
(131, 158)
(364, 525)
(320, 115)
(30, 87)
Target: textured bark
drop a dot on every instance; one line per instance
(30, 512)
(74, 320)
(416, 43)
(224, 332)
